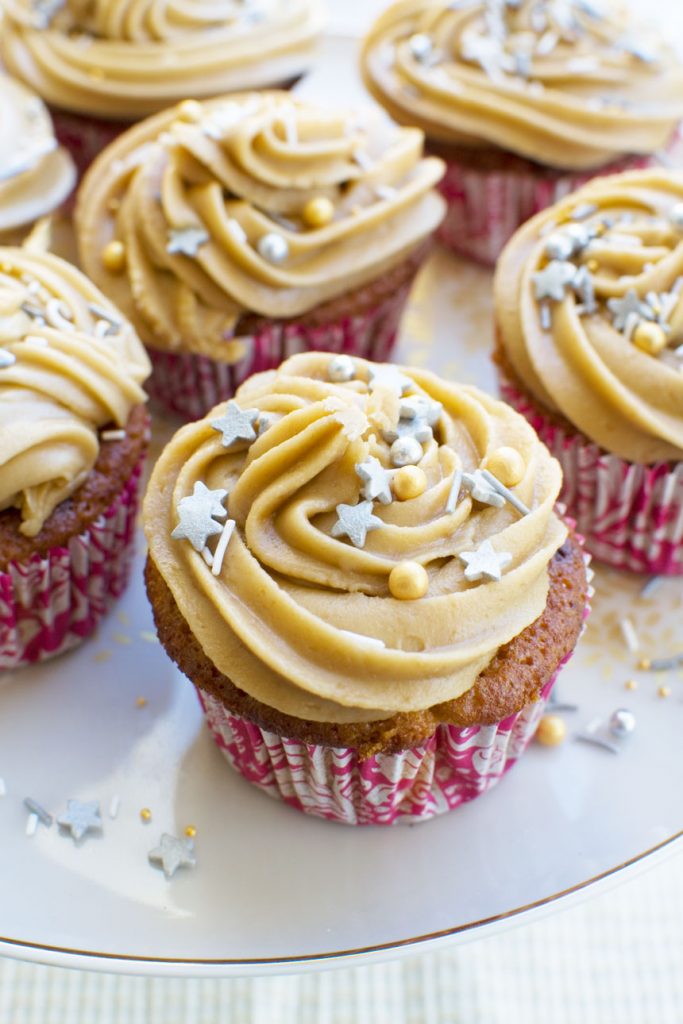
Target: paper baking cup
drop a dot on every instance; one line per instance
(485, 207)
(51, 602)
(630, 515)
(190, 385)
(85, 137)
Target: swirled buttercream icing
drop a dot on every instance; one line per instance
(125, 59)
(567, 83)
(69, 365)
(256, 204)
(276, 524)
(36, 175)
(590, 312)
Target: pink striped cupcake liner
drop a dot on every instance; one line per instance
(52, 602)
(454, 766)
(485, 207)
(190, 385)
(84, 137)
(630, 515)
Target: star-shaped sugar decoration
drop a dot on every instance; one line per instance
(385, 375)
(186, 241)
(482, 489)
(173, 853)
(355, 522)
(625, 309)
(81, 818)
(484, 563)
(236, 424)
(196, 513)
(376, 481)
(552, 282)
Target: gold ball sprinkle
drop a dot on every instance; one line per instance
(551, 731)
(318, 212)
(141, 702)
(190, 110)
(190, 831)
(644, 664)
(408, 581)
(650, 338)
(409, 482)
(114, 256)
(631, 684)
(593, 266)
(145, 815)
(507, 465)
(664, 691)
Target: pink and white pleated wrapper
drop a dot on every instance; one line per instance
(50, 603)
(485, 207)
(454, 766)
(190, 385)
(630, 515)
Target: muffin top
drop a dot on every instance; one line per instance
(122, 59)
(567, 83)
(590, 317)
(253, 204)
(36, 175)
(339, 540)
(69, 365)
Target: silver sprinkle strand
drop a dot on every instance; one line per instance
(454, 492)
(35, 808)
(504, 492)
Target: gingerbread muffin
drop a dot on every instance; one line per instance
(73, 435)
(238, 232)
(589, 313)
(103, 65)
(361, 570)
(524, 101)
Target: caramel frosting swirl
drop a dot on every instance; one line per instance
(36, 175)
(590, 314)
(570, 84)
(126, 59)
(256, 204)
(69, 365)
(298, 609)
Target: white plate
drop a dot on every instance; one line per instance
(276, 891)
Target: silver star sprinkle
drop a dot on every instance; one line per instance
(482, 490)
(196, 513)
(625, 308)
(552, 282)
(385, 375)
(186, 241)
(355, 522)
(376, 481)
(236, 424)
(81, 818)
(173, 853)
(484, 563)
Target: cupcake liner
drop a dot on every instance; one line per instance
(630, 515)
(190, 385)
(84, 137)
(485, 207)
(51, 602)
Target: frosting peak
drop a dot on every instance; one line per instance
(278, 517)
(568, 83)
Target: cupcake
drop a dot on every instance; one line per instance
(525, 101)
(73, 433)
(372, 618)
(104, 65)
(36, 175)
(236, 233)
(590, 348)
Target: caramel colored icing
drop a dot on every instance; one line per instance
(297, 615)
(606, 352)
(69, 365)
(35, 174)
(125, 59)
(198, 194)
(567, 83)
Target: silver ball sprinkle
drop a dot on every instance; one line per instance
(273, 247)
(406, 451)
(420, 47)
(559, 246)
(676, 216)
(341, 369)
(622, 722)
